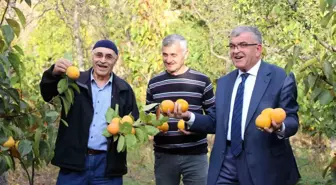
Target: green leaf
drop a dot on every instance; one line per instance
(75, 86)
(3, 165)
(289, 66)
(287, 47)
(116, 110)
(149, 107)
(14, 94)
(306, 85)
(25, 147)
(327, 69)
(146, 118)
(2, 45)
(69, 95)
(15, 80)
(8, 32)
(326, 19)
(311, 80)
(296, 51)
(121, 143)
(37, 138)
(130, 140)
(44, 150)
(332, 4)
(139, 134)
(106, 133)
(62, 86)
(316, 92)
(28, 2)
(66, 105)
(323, 5)
(68, 56)
(325, 97)
(18, 49)
(9, 161)
(64, 122)
(125, 128)
(151, 130)
(115, 138)
(109, 115)
(163, 118)
(51, 116)
(3, 139)
(308, 63)
(22, 18)
(15, 25)
(5, 60)
(156, 123)
(15, 61)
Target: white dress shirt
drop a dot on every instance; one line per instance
(249, 85)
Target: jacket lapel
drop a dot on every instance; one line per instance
(262, 81)
(228, 88)
(117, 87)
(84, 81)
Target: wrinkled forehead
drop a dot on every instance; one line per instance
(104, 50)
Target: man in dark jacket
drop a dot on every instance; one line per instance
(83, 154)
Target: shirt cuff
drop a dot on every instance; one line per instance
(281, 133)
(191, 120)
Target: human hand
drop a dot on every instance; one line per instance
(186, 132)
(178, 114)
(274, 127)
(61, 66)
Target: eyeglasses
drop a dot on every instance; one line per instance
(240, 45)
(107, 56)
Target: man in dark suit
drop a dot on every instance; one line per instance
(242, 154)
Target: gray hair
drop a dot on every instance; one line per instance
(172, 39)
(242, 29)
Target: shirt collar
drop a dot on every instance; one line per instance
(253, 71)
(110, 80)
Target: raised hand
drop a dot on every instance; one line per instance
(61, 66)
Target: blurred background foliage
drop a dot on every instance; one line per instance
(299, 36)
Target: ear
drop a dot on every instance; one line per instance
(186, 55)
(259, 50)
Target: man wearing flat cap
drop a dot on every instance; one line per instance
(83, 154)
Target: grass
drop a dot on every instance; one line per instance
(311, 153)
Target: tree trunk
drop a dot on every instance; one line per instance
(77, 36)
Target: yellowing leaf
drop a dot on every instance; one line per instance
(15, 26)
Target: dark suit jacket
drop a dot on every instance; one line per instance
(270, 160)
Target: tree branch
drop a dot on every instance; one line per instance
(4, 14)
(215, 54)
(324, 44)
(33, 171)
(210, 30)
(39, 16)
(62, 16)
(26, 170)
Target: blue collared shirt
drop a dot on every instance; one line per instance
(101, 100)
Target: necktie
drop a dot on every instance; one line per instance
(236, 124)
